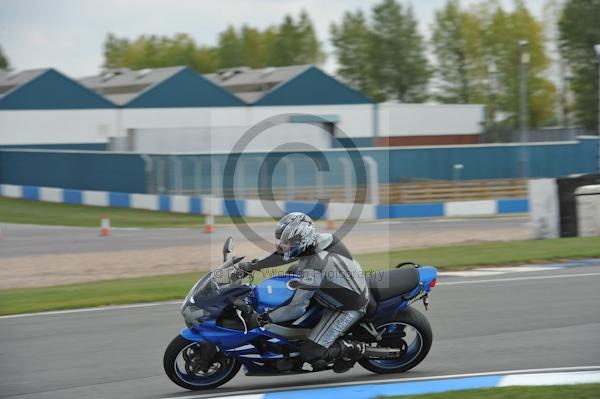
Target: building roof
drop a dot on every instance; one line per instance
(121, 85)
(288, 85)
(252, 84)
(9, 82)
(46, 89)
(140, 88)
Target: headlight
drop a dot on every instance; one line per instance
(193, 315)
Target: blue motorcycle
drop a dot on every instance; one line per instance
(219, 340)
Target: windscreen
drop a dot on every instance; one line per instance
(215, 282)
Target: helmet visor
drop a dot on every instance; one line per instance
(288, 249)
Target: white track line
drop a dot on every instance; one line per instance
(145, 305)
(493, 280)
(116, 307)
(384, 381)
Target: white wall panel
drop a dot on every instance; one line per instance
(430, 119)
(180, 203)
(464, 208)
(9, 190)
(97, 198)
(57, 126)
(51, 194)
(544, 208)
(144, 201)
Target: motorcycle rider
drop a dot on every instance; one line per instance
(331, 277)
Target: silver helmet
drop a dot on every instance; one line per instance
(294, 232)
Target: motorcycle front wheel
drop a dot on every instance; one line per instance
(410, 332)
(180, 363)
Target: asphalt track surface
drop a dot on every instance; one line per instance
(511, 321)
(25, 240)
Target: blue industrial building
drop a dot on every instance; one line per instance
(171, 87)
(46, 89)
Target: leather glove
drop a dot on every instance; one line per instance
(248, 266)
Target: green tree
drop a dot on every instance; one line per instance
(150, 51)
(352, 42)
(296, 43)
(478, 60)
(502, 35)
(4, 64)
(229, 50)
(400, 68)
(579, 31)
(458, 48)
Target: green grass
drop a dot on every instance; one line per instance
(496, 253)
(48, 213)
(581, 391)
(159, 288)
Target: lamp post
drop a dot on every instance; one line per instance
(597, 48)
(524, 60)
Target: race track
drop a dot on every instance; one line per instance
(27, 240)
(508, 321)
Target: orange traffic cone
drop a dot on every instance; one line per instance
(330, 224)
(209, 226)
(104, 226)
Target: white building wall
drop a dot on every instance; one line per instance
(57, 126)
(230, 123)
(430, 119)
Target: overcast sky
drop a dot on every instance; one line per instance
(68, 34)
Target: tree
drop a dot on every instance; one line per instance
(4, 64)
(229, 50)
(296, 43)
(291, 43)
(478, 57)
(400, 68)
(352, 42)
(502, 35)
(458, 48)
(150, 51)
(579, 28)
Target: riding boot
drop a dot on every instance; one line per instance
(350, 352)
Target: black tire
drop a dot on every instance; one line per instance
(419, 322)
(195, 383)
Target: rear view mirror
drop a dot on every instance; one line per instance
(227, 248)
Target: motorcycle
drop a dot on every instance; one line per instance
(218, 339)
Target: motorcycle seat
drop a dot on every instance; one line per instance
(391, 283)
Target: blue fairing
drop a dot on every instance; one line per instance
(427, 274)
(274, 292)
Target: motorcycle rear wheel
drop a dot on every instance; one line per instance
(178, 363)
(411, 330)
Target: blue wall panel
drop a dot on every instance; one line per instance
(32, 193)
(107, 171)
(314, 210)
(195, 205)
(234, 208)
(80, 171)
(513, 206)
(119, 199)
(72, 197)
(409, 210)
(164, 203)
